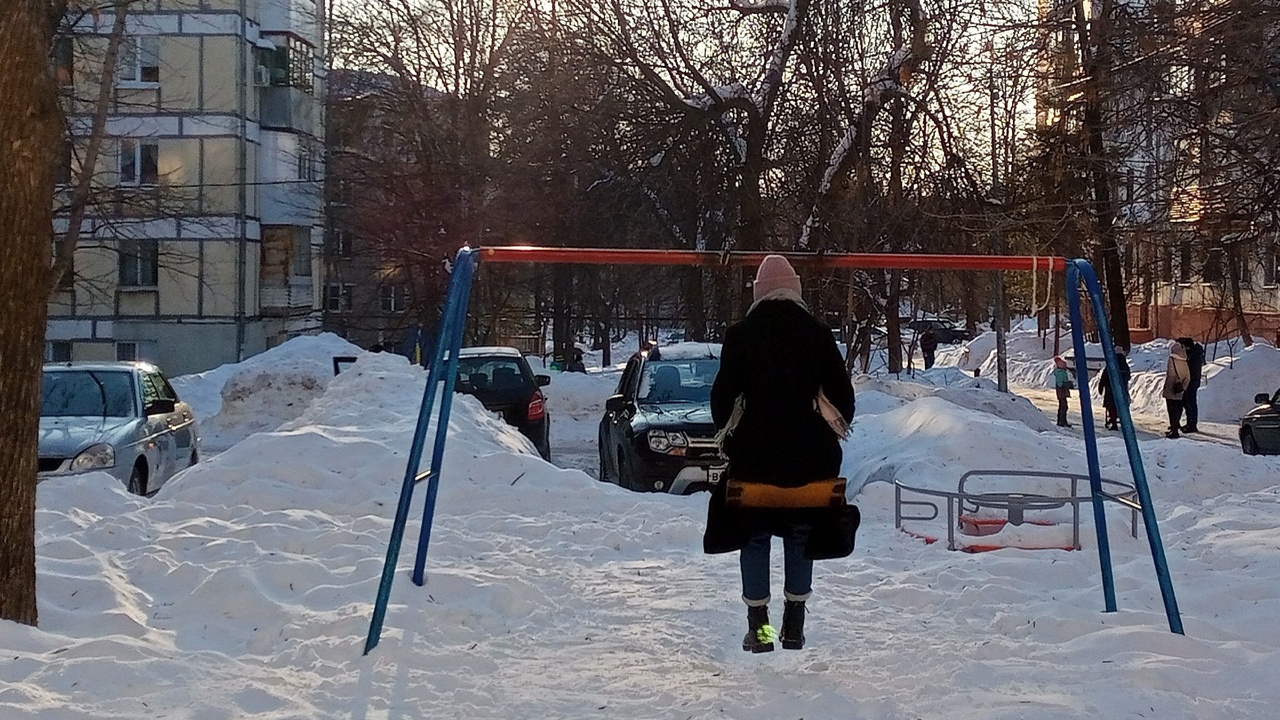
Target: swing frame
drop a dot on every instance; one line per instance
(442, 369)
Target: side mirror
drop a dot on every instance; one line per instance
(159, 407)
(616, 403)
(542, 380)
(1262, 399)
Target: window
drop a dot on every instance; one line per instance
(64, 61)
(306, 160)
(139, 162)
(292, 65)
(340, 241)
(58, 351)
(139, 60)
(1271, 264)
(337, 297)
(393, 298)
(1213, 271)
(301, 255)
(1184, 261)
(139, 263)
(127, 352)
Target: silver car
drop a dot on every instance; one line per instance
(122, 418)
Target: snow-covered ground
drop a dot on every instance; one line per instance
(244, 588)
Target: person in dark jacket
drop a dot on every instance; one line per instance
(1108, 399)
(777, 366)
(928, 346)
(1195, 366)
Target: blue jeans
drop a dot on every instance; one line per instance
(798, 569)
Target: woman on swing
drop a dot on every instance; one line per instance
(782, 400)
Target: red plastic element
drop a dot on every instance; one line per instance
(616, 256)
(970, 525)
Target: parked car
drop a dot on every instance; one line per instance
(656, 434)
(122, 418)
(1260, 427)
(500, 378)
(947, 331)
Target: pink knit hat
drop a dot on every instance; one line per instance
(775, 273)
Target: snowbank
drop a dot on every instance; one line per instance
(245, 587)
(233, 401)
(1229, 384)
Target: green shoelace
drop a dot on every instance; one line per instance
(766, 634)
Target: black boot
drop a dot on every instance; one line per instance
(793, 625)
(760, 634)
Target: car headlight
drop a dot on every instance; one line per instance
(668, 442)
(95, 457)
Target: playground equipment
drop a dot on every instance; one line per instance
(965, 506)
(442, 368)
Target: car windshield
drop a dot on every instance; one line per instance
(97, 393)
(490, 374)
(677, 381)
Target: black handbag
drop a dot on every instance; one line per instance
(832, 540)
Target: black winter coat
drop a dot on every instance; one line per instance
(777, 358)
(1104, 382)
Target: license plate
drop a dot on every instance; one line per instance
(714, 474)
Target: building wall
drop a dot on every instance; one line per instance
(202, 115)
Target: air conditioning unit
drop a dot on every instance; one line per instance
(261, 76)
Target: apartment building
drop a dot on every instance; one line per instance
(201, 235)
(1198, 249)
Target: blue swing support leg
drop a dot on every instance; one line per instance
(1077, 270)
(439, 369)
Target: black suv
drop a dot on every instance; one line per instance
(656, 434)
(500, 378)
(1260, 427)
(947, 332)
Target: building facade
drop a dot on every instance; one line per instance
(201, 216)
(1198, 237)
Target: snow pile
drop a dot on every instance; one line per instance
(1229, 384)
(980, 395)
(246, 586)
(233, 401)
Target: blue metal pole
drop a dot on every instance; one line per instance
(464, 269)
(1090, 434)
(410, 477)
(1131, 447)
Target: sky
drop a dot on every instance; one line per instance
(244, 587)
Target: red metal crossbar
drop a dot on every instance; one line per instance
(884, 261)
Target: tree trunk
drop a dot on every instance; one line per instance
(1237, 304)
(891, 321)
(31, 128)
(695, 323)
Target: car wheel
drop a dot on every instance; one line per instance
(138, 478)
(1248, 444)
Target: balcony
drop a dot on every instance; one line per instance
(293, 298)
(287, 108)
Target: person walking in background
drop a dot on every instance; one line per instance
(1062, 385)
(928, 346)
(1195, 368)
(1108, 399)
(1177, 375)
(778, 399)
